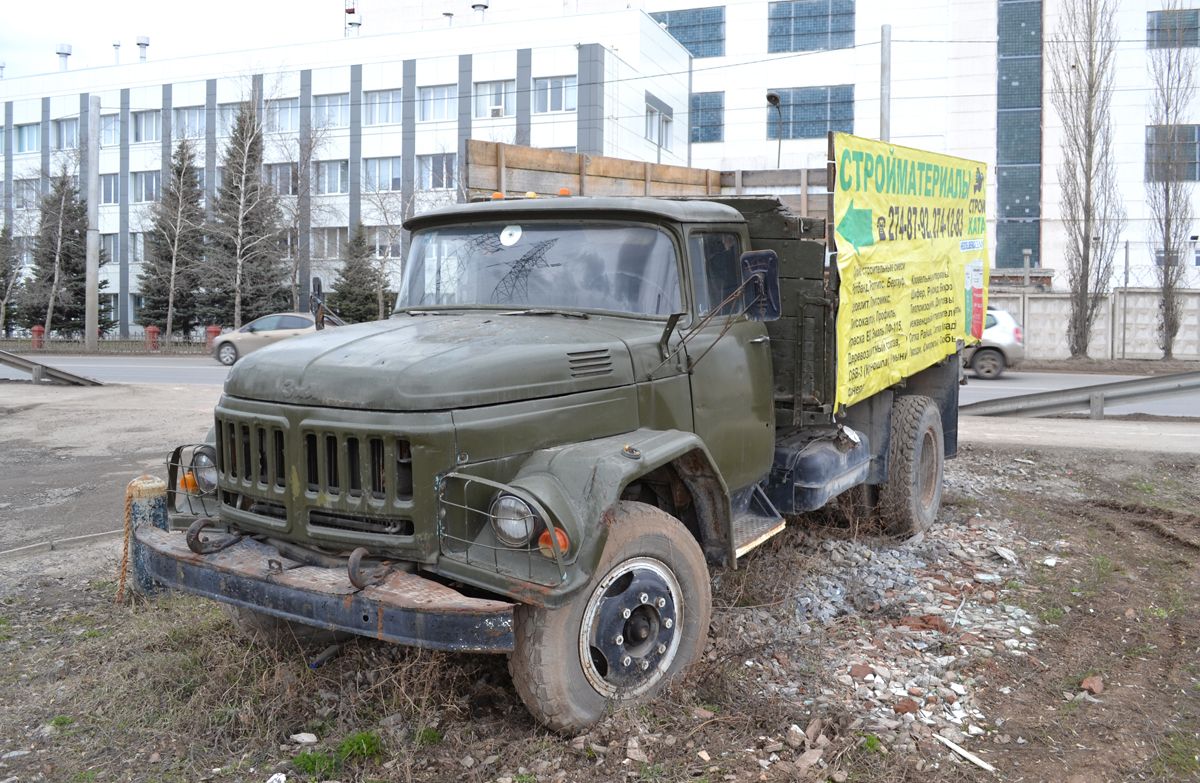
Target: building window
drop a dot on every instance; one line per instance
(66, 134)
(189, 123)
(1172, 153)
(282, 177)
(555, 93)
(137, 248)
(382, 174)
(108, 246)
(811, 112)
(329, 242)
(145, 186)
(110, 130)
(382, 107)
(110, 192)
(495, 99)
(25, 194)
(1172, 29)
(809, 25)
(706, 117)
(333, 177)
(146, 126)
(28, 138)
(331, 111)
(384, 241)
(227, 117)
(283, 115)
(658, 127)
(436, 172)
(439, 103)
(700, 30)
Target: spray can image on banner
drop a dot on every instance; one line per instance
(973, 299)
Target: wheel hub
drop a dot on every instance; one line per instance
(629, 635)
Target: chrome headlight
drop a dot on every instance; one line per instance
(204, 469)
(513, 521)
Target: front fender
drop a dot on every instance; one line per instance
(579, 483)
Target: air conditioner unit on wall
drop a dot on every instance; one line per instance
(497, 111)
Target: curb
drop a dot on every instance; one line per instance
(54, 546)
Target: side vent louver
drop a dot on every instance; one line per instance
(585, 364)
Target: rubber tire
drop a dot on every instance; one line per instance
(545, 664)
(988, 363)
(912, 494)
(232, 353)
(277, 632)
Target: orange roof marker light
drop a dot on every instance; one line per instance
(564, 191)
(497, 196)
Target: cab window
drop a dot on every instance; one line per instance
(715, 258)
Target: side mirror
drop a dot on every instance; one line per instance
(760, 275)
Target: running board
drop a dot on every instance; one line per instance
(44, 372)
(756, 520)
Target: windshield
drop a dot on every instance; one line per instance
(577, 265)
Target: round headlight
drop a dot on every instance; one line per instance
(513, 520)
(204, 468)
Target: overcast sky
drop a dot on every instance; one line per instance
(30, 31)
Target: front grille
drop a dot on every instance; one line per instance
(252, 454)
(349, 481)
(377, 468)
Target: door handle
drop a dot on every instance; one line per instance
(760, 340)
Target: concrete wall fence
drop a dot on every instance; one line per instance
(1125, 328)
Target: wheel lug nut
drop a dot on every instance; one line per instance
(645, 664)
(620, 639)
(667, 623)
(662, 649)
(661, 602)
(626, 661)
(644, 598)
(626, 614)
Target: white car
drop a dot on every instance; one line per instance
(230, 347)
(1002, 346)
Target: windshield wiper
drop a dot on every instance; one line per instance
(546, 311)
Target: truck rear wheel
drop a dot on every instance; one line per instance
(640, 620)
(910, 498)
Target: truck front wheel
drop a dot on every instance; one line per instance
(641, 619)
(910, 498)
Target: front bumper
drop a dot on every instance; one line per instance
(403, 608)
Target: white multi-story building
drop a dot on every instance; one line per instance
(392, 109)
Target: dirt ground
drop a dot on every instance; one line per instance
(1106, 561)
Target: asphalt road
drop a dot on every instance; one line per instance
(205, 371)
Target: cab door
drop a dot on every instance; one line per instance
(733, 407)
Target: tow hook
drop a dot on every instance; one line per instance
(365, 578)
(203, 545)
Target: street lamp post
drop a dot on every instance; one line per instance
(773, 100)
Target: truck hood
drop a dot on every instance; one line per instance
(436, 362)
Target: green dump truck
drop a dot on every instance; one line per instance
(578, 407)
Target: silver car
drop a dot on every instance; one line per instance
(231, 346)
(1002, 346)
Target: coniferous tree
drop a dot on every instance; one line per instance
(355, 295)
(56, 294)
(10, 275)
(244, 274)
(174, 249)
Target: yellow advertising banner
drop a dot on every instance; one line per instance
(912, 254)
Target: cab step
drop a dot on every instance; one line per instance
(755, 520)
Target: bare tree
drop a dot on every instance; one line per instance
(174, 246)
(11, 264)
(1173, 66)
(1081, 55)
(388, 212)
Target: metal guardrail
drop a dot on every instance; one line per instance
(1092, 399)
(44, 372)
